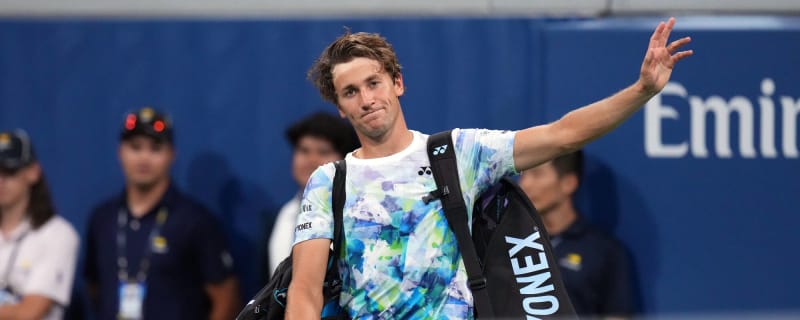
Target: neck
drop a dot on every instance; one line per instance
(142, 199)
(394, 141)
(11, 216)
(559, 218)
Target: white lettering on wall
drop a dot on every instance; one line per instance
(722, 111)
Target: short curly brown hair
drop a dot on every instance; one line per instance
(344, 49)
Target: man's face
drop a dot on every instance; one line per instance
(310, 153)
(545, 188)
(367, 96)
(145, 161)
(15, 185)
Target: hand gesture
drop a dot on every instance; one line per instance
(661, 58)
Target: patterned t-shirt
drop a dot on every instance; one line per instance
(401, 260)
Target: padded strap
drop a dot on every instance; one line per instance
(337, 201)
(441, 153)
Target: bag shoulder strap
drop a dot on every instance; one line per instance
(442, 156)
(338, 197)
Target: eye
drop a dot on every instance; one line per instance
(374, 83)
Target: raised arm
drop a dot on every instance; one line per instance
(539, 144)
(309, 261)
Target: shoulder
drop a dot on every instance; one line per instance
(187, 208)
(604, 240)
(322, 175)
(483, 138)
(328, 168)
(320, 184)
(106, 207)
(58, 231)
(461, 133)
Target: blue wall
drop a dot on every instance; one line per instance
(707, 234)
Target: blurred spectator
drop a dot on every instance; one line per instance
(594, 266)
(38, 249)
(317, 139)
(152, 252)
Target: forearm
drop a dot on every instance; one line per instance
(8, 311)
(30, 308)
(223, 310)
(303, 302)
(590, 122)
(224, 299)
(539, 144)
(15, 312)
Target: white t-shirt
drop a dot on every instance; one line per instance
(282, 236)
(44, 263)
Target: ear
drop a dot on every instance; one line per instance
(569, 183)
(33, 173)
(399, 87)
(173, 153)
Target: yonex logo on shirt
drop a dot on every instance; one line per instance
(439, 150)
(424, 170)
(303, 226)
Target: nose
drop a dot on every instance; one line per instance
(367, 99)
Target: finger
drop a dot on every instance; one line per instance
(681, 55)
(667, 30)
(656, 34)
(677, 44)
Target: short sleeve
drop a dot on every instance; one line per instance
(212, 249)
(484, 157)
(52, 275)
(315, 220)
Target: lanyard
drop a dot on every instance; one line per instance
(122, 242)
(11, 259)
(555, 241)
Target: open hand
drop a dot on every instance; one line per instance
(661, 58)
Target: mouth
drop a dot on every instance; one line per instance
(371, 114)
(143, 170)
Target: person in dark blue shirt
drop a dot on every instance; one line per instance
(152, 252)
(594, 266)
